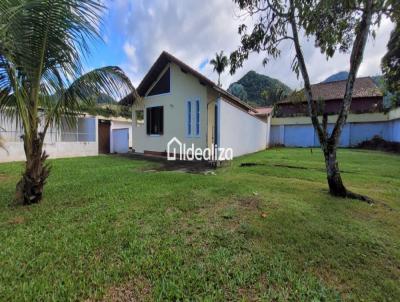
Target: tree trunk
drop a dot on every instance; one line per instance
(29, 189)
(336, 187)
(330, 143)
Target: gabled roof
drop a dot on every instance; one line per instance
(364, 87)
(159, 65)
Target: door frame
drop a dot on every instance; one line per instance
(104, 135)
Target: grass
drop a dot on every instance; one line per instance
(108, 230)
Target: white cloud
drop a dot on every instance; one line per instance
(194, 31)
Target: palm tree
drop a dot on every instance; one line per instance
(42, 47)
(220, 63)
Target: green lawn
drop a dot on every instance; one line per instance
(107, 229)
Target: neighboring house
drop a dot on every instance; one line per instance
(177, 101)
(88, 136)
(367, 98)
(291, 126)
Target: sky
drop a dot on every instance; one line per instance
(135, 32)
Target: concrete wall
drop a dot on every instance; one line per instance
(299, 132)
(78, 140)
(239, 130)
(184, 87)
(55, 150)
(67, 141)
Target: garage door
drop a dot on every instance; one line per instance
(120, 140)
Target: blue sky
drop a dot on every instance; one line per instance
(135, 32)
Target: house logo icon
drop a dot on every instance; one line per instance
(172, 148)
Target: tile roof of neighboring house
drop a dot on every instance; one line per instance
(363, 87)
(159, 65)
(263, 111)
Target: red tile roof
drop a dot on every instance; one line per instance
(263, 110)
(363, 87)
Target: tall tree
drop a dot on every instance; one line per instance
(42, 45)
(336, 26)
(391, 64)
(220, 62)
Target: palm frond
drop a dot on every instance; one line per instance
(83, 92)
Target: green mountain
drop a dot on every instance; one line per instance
(341, 75)
(259, 90)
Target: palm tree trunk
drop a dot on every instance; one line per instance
(29, 189)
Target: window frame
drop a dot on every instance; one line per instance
(193, 118)
(148, 131)
(197, 118)
(188, 119)
(166, 69)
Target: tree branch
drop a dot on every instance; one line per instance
(304, 72)
(355, 62)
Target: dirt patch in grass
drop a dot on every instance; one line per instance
(4, 177)
(250, 202)
(243, 165)
(17, 220)
(137, 290)
(162, 164)
(251, 164)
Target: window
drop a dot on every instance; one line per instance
(82, 129)
(163, 84)
(155, 120)
(193, 118)
(197, 117)
(189, 118)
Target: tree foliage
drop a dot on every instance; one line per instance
(391, 64)
(257, 85)
(238, 90)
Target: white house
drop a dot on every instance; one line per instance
(177, 101)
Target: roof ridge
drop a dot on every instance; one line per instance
(335, 81)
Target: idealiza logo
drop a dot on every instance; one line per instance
(177, 150)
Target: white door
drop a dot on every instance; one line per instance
(120, 140)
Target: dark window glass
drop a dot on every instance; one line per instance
(155, 120)
(163, 84)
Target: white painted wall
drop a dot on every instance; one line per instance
(55, 150)
(120, 125)
(54, 145)
(239, 130)
(184, 87)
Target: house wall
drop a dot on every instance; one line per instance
(299, 132)
(184, 87)
(239, 130)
